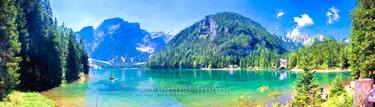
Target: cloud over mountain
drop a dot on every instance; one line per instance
(302, 21)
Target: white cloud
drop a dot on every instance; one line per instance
(296, 33)
(304, 20)
(333, 15)
(279, 14)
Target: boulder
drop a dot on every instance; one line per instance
(362, 91)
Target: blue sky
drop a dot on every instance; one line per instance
(281, 17)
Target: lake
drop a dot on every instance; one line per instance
(176, 88)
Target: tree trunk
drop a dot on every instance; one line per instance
(362, 91)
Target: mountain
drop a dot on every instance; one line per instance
(305, 40)
(87, 34)
(290, 43)
(121, 43)
(220, 40)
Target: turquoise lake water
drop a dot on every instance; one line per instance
(179, 88)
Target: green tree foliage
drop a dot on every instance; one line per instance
(44, 53)
(9, 47)
(362, 40)
(47, 51)
(23, 38)
(84, 57)
(338, 96)
(261, 57)
(307, 90)
(344, 100)
(73, 60)
(324, 54)
(337, 87)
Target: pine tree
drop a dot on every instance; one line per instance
(307, 90)
(9, 47)
(23, 39)
(344, 59)
(73, 60)
(43, 56)
(84, 57)
(53, 63)
(337, 95)
(337, 88)
(362, 40)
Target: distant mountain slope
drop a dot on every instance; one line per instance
(221, 40)
(304, 39)
(121, 43)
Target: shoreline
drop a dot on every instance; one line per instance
(323, 70)
(293, 70)
(250, 69)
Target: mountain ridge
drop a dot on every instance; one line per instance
(120, 42)
(217, 41)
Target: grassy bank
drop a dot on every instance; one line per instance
(26, 99)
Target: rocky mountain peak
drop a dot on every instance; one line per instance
(122, 43)
(208, 26)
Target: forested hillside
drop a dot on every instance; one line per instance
(227, 38)
(221, 40)
(36, 53)
(325, 54)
